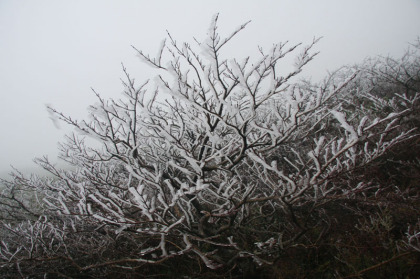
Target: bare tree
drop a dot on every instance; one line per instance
(223, 160)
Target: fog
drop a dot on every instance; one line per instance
(54, 52)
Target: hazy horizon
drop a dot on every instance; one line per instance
(54, 52)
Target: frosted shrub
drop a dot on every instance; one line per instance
(215, 158)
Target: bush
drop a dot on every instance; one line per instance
(220, 167)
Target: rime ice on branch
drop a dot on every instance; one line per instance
(206, 153)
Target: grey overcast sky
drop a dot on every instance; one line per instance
(53, 52)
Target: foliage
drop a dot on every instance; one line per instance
(226, 166)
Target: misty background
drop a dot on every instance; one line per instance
(53, 52)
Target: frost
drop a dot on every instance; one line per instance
(211, 150)
(342, 119)
(53, 116)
